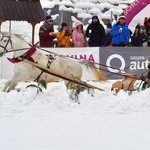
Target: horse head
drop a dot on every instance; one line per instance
(13, 42)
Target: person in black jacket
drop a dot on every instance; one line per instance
(136, 37)
(96, 33)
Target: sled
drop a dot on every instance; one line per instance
(57, 74)
(126, 84)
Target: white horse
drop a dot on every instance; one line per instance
(24, 71)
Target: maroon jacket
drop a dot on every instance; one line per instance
(44, 38)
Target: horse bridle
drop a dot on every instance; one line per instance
(8, 41)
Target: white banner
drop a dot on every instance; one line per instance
(88, 53)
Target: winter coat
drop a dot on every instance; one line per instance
(136, 39)
(44, 38)
(78, 37)
(64, 39)
(147, 24)
(144, 39)
(97, 35)
(120, 38)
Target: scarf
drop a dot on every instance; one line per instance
(47, 25)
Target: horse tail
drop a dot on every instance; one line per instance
(99, 75)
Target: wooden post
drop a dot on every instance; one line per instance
(1, 20)
(33, 31)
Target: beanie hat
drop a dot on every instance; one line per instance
(64, 24)
(122, 17)
(94, 17)
(48, 17)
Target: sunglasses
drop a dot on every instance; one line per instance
(50, 20)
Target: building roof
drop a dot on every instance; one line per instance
(21, 10)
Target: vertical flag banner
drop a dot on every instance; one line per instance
(134, 9)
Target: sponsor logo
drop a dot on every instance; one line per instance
(138, 62)
(119, 57)
(135, 63)
(84, 56)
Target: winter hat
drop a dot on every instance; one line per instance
(94, 17)
(79, 23)
(138, 27)
(64, 24)
(122, 17)
(48, 17)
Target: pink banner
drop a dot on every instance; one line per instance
(134, 9)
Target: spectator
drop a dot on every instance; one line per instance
(108, 37)
(136, 39)
(120, 33)
(144, 37)
(95, 32)
(147, 25)
(64, 36)
(78, 36)
(46, 33)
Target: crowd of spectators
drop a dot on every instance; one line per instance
(95, 35)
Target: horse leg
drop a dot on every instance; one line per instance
(116, 87)
(75, 90)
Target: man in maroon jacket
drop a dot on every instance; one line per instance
(46, 33)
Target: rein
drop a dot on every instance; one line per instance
(8, 41)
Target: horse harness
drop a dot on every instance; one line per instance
(50, 60)
(5, 47)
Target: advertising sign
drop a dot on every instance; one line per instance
(119, 60)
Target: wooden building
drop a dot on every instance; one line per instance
(22, 10)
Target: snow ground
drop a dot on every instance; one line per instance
(50, 120)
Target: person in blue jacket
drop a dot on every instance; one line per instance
(120, 33)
